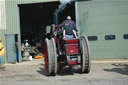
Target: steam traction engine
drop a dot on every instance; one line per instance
(59, 52)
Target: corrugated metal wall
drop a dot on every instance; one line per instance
(12, 18)
(105, 17)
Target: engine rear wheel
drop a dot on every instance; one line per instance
(85, 59)
(55, 56)
(50, 57)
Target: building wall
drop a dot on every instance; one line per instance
(3, 26)
(105, 17)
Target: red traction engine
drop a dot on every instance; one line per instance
(59, 52)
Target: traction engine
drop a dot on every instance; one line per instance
(59, 52)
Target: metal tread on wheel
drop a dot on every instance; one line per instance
(85, 55)
(50, 57)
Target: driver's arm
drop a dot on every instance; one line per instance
(75, 33)
(64, 34)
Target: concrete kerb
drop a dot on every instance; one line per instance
(110, 61)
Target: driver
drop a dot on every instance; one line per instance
(70, 21)
(68, 32)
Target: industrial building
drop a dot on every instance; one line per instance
(104, 22)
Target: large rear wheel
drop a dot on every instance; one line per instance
(50, 57)
(85, 59)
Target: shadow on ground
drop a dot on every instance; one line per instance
(119, 68)
(2, 68)
(66, 71)
(61, 72)
(42, 70)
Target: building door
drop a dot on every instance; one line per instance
(10, 48)
(106, 26)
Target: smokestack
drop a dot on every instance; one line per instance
(61, 7)
(56, 18)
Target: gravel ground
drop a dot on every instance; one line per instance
(32, 73)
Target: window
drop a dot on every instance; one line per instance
(110, 37)
(92, 38)
(125, 36)
(2, 15)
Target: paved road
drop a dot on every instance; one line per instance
(32, 73)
